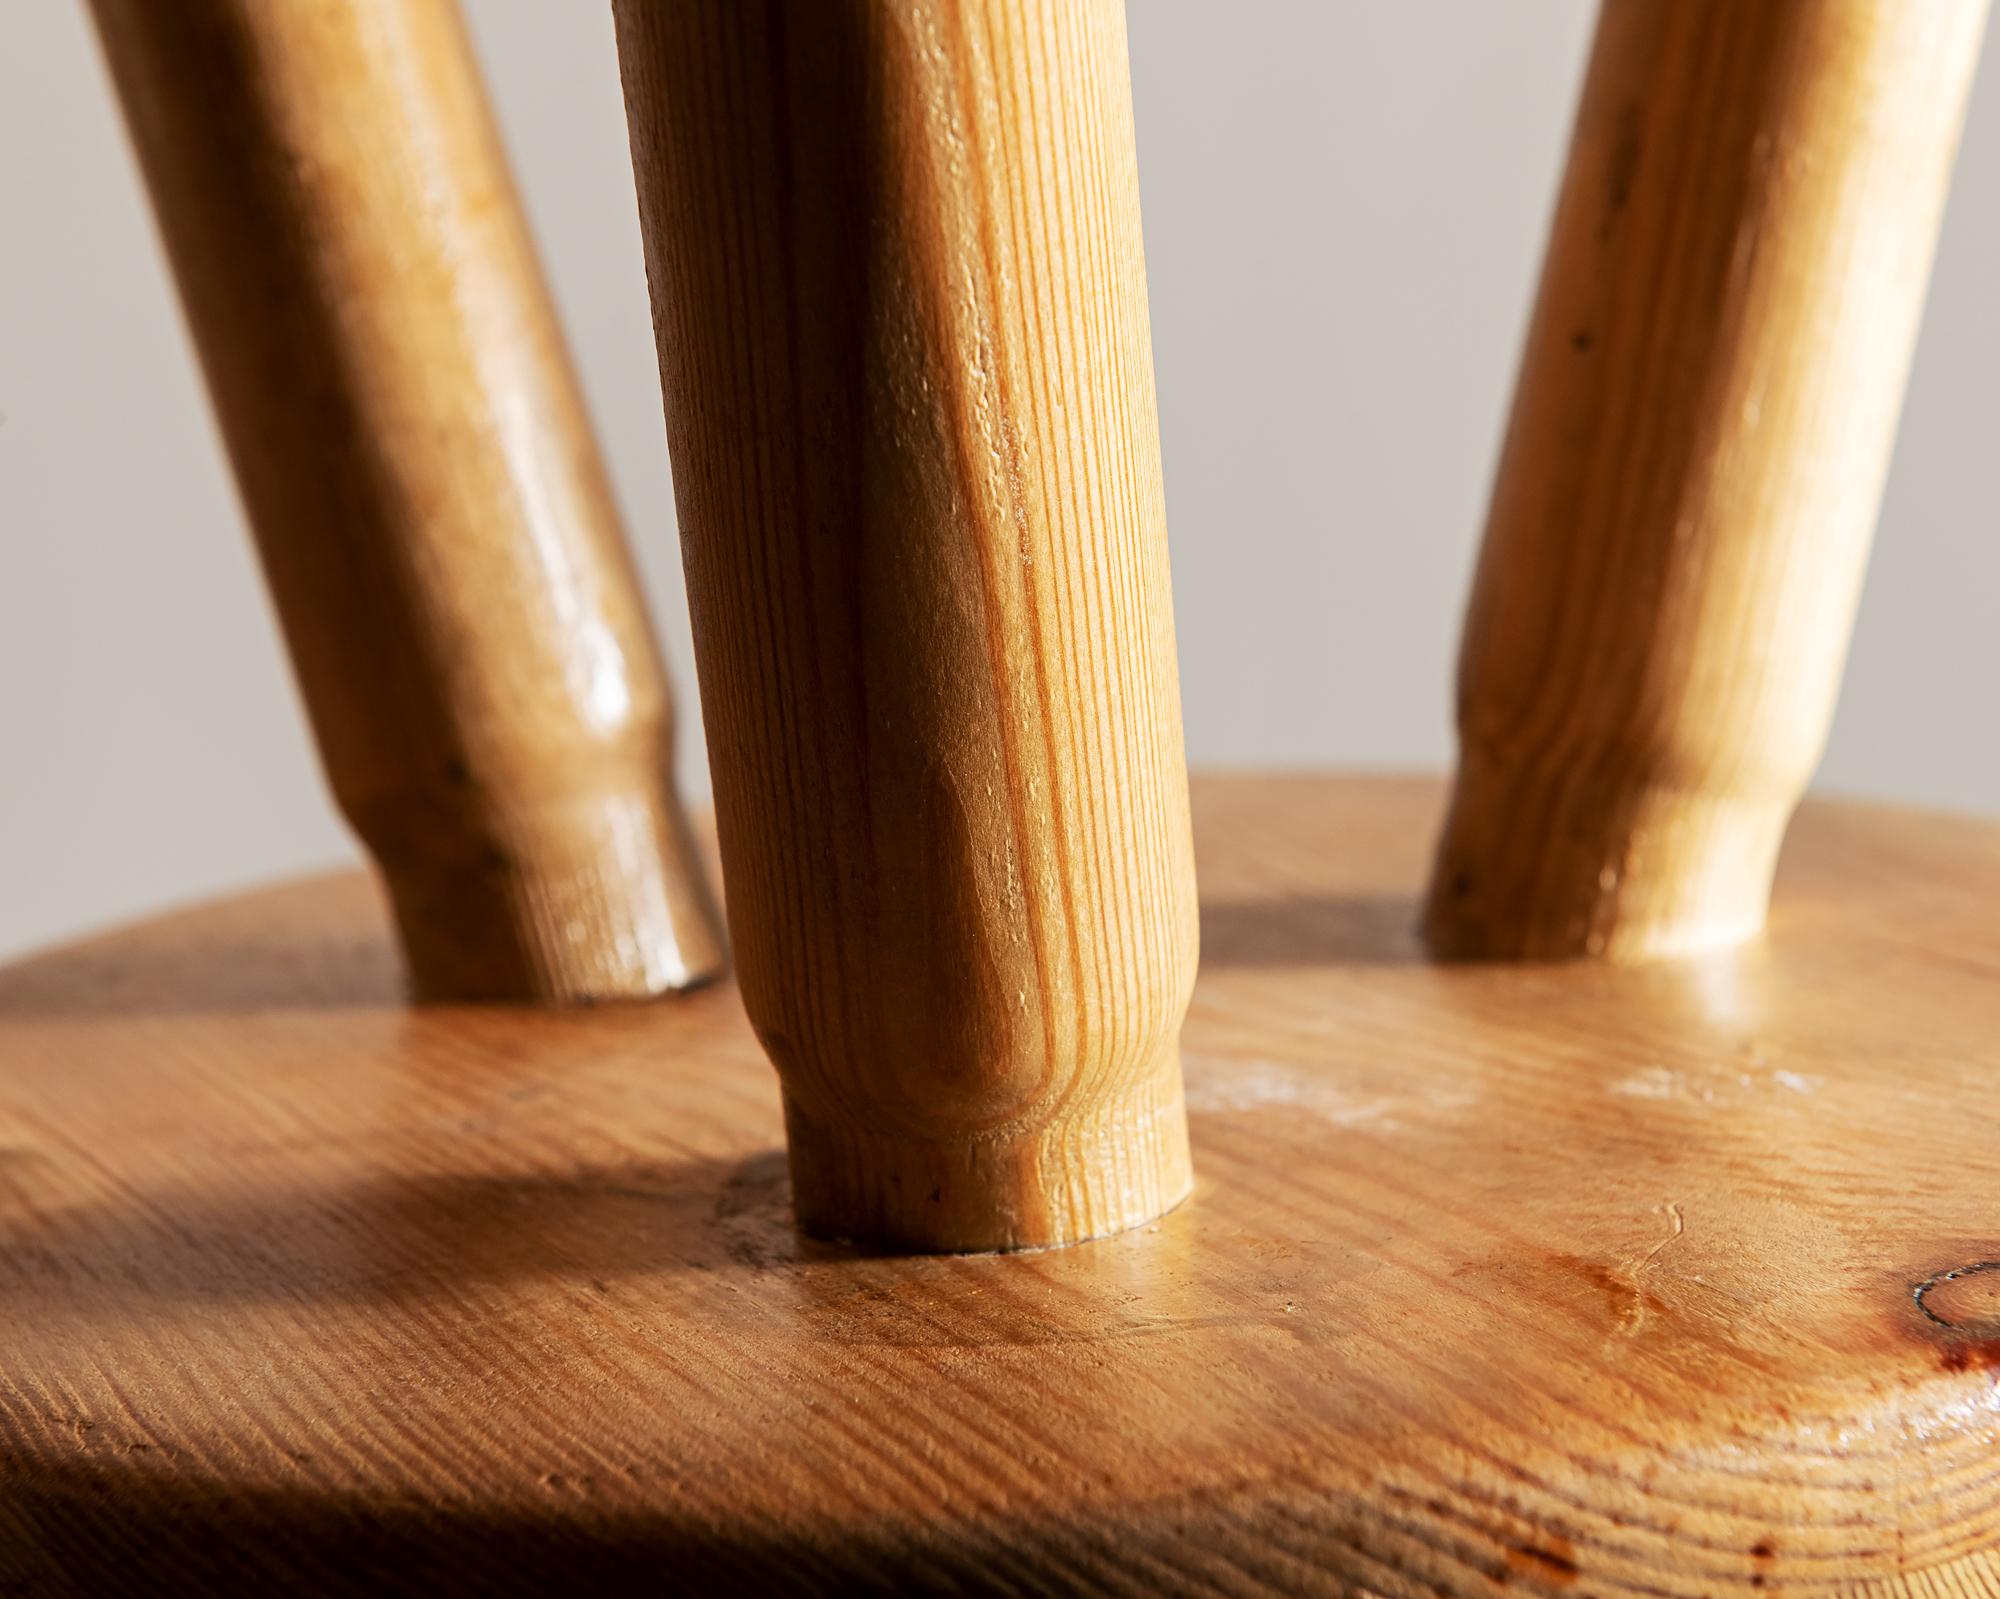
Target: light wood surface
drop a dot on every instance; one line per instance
(428, 502)
(1499, 1278)
(1690, 481)
(898, 287)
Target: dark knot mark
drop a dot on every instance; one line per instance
(1940, 1304)
(1965, 1301)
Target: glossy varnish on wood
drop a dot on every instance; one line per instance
(431, 511)
(1685, 500)
(1501, 1278)
(900, 299)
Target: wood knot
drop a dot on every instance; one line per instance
(1966, 1299)
(1965, 1302)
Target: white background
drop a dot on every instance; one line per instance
(1344, 204)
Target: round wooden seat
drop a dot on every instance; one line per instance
(1543, 1278)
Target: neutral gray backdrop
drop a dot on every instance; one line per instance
(1344, 205)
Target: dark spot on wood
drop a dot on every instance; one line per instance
(937, 1194)
(1552, 1562)
(1624, 169)
(1756, 1579)
(456, 772)
(1461, 884)
(1624, 1297)
(1582, 339)
(1763, 1549)
(1970, 1355)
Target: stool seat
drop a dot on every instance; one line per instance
(1679, 1279)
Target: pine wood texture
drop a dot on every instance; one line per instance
(900, 301)
(1500, 1278)
(433, 518)
(1685, 499)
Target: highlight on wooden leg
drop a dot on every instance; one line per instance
(430, 508)
(899, 291)
(1684, 503)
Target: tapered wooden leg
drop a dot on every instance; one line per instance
(1684, 504)
(430, 508)
(897, 282)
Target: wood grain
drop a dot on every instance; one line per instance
(900, 302)
(1690, 480)
(1500, 1278)
(432, 515)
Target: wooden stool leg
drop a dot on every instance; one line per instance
(429, 505)
(897, 281)
(1684, 503)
